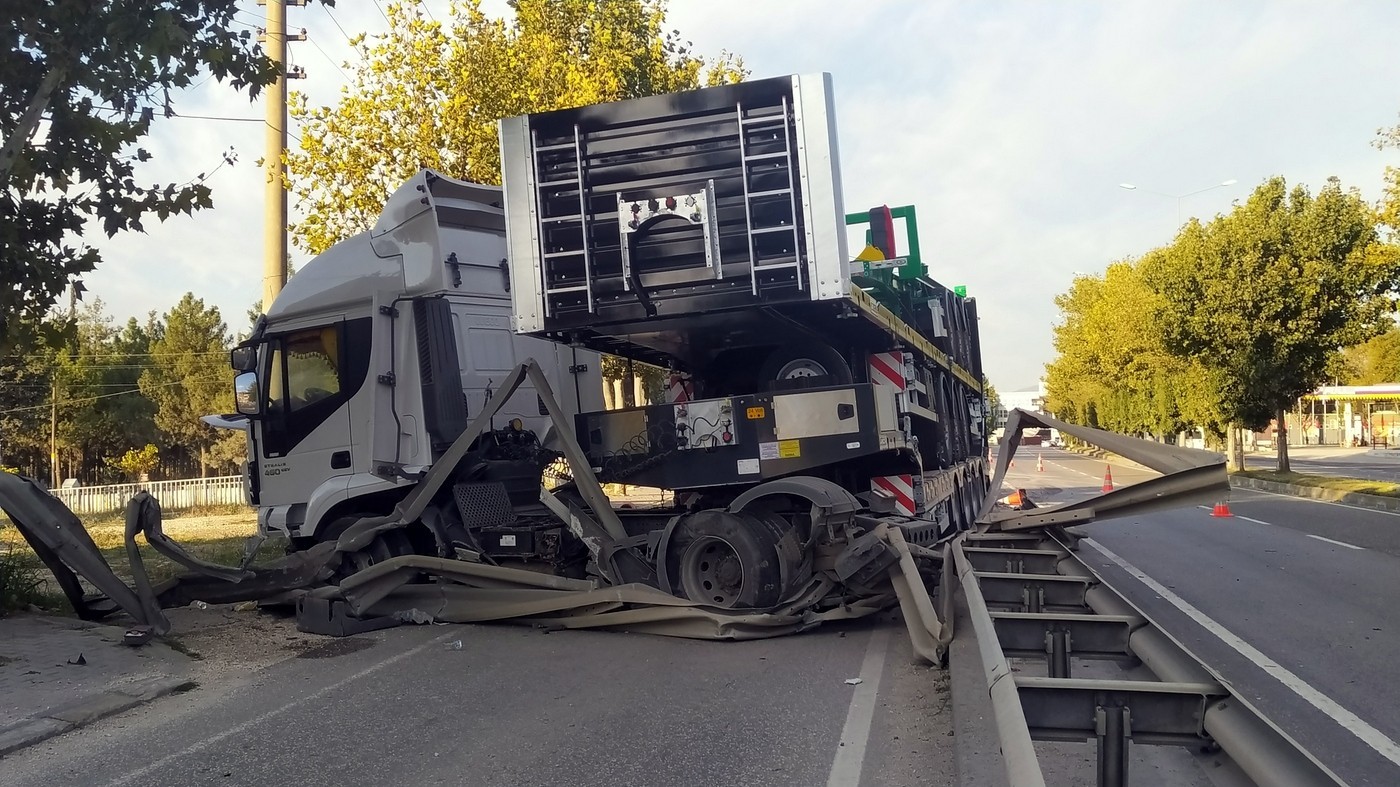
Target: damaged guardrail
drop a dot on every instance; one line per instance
(874, 569)
(1033, 601)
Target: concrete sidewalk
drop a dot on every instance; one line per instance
(60, 673)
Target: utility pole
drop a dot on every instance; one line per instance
(274, 40)
(53, 431)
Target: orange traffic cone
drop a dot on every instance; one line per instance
(1222, 509)
(1013, 499)
(1107, 478)
(1040, 463)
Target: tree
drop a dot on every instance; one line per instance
(993, 400)
(619, 387)
(86, 80)
(433, 91)
(1112, 370)
(100, 410)
(1375, 361)
(24, 412)
(136, 463)
(1389, 208)
(1266, 295)
(189, 377)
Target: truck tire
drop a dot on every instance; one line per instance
(391, 543)
(726, 560)
(802, 360)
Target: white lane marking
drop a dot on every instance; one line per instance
(263, 717)
(1334, 541)
(1309, 535)
(1346, 719)
(1324, 502)
(850, 755)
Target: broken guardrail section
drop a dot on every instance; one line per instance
(1035, 608)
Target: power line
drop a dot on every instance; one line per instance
(327, 9)
(427, 10)
(66, 402)
(381, 13)
(42, 356)
(328, 58)
(290, 133)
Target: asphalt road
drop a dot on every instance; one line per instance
(1291, 601)
(517, 706)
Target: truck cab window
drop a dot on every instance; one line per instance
(311, 374)
(312, 363)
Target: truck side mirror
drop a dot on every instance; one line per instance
(245, 394)
(243, 359)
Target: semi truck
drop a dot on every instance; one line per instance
(701, 232)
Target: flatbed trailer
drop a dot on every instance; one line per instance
(704, 232)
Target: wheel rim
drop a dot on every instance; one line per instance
(801, 367)
(712, 572)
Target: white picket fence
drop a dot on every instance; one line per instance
(184, 493)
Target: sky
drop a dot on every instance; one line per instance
(1008, 124)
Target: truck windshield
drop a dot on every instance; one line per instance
(303, 369)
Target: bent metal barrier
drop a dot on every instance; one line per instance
(1030, 602)
(1035, 608)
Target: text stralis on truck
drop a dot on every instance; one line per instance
(813, 392)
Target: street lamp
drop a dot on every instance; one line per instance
(1179, 197)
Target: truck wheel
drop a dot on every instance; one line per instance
(391, 543)
(726, 560)
(970, 502)
(802, 360)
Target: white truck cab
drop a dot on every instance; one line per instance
(374, 357)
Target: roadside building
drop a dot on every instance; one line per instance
(1355, 415)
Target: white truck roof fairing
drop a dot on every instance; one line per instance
(424, 222)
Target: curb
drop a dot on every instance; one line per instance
(63, 718)
(1358, 499)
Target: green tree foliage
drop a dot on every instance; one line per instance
(1268, 294)
(993, 400)
(24, 411)
(653, 381)
(1233, 321)
(137, 462)
(432, 91)
(1389, 209)
(80, 85)
(100, 410)
(1112, 370)
(1375, 361)
(189, 378)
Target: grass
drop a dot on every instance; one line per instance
(1358, 485)
(23, 578)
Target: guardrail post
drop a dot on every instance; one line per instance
(1057, 652)
(1032, 598)
(1113, 727)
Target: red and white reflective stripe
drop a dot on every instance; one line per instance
(901, 487)
(887, 369)
(679, 388)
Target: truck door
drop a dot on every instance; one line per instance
(307, 437)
